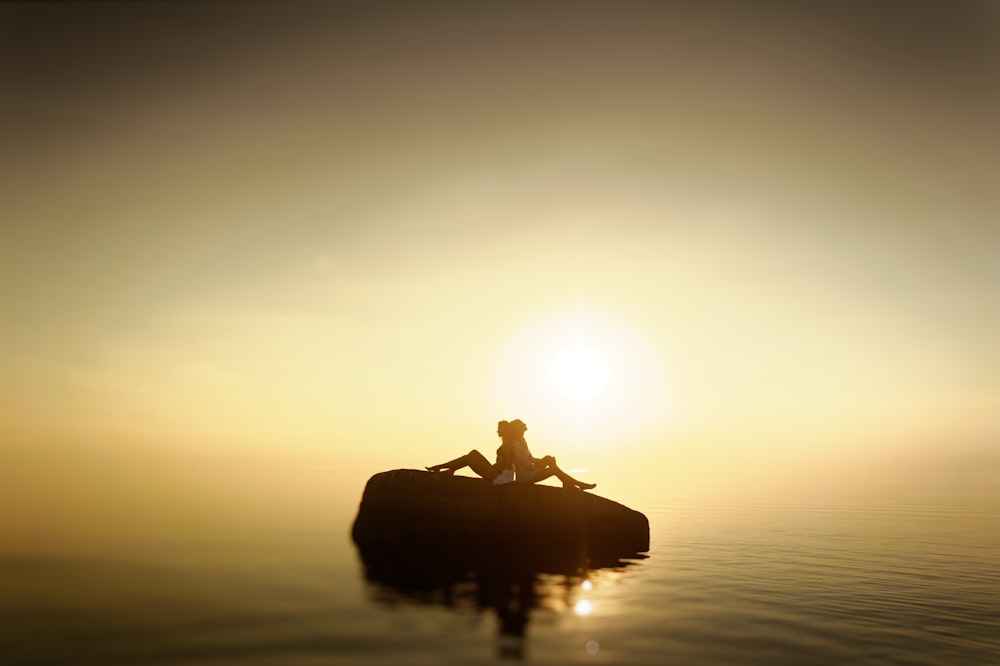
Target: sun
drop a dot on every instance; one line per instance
(579, 372)
(581, 377)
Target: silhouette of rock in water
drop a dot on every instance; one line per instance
(427, 512)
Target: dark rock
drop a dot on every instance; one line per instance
(422, 512)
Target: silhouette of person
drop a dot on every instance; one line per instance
(528, 469)
(512, 603)
(500, 472)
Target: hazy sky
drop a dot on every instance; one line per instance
(366, 234)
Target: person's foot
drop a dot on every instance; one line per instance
(439, 469)
(586, 486)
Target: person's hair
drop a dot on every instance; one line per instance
(517, 426)
(503, 427)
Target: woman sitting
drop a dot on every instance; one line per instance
(500, 472)
(528, 469)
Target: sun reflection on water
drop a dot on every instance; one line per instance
(583, 607)
(514, 591)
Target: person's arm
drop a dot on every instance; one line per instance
(505, 459)
(536, 462)
(521, 454)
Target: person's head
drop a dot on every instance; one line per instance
(503, 428)
(517, 428)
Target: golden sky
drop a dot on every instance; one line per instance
(366, 235)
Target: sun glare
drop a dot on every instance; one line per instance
(579, 372)
(581, 377)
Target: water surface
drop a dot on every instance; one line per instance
(885, 572)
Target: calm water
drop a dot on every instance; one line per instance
(885, 573)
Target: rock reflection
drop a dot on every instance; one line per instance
(510, 584)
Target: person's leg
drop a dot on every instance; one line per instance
(567, 480)
(474, 460)
(450, 466)
(542, 473)
(480, 465)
